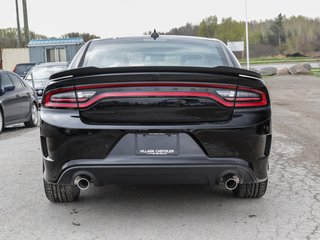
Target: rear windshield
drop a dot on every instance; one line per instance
(23, 68)
(195, 53)
(44, 72)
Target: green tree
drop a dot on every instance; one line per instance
(34, 35)
(186, 30)
(8, 37)
(86, 36)
(230, 30)
(208, 27)
(277, 34)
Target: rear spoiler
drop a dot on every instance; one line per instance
(87, 71)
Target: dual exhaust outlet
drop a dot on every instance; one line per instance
(82, 182)
(229, 181)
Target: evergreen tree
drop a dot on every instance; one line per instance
(277, 34)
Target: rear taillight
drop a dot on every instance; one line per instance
(86, 96)
(244, 97)
(66, 98)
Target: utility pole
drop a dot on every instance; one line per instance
(19, 40)
(25, 20)
(247, 37)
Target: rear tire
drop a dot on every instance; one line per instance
(34, 117)
(252, 190)
(61, 193)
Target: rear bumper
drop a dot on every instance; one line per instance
(106, 153)
(101, 175)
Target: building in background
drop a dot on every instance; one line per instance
(12, 56)
(54, 49)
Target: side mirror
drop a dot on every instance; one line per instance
(8, 88)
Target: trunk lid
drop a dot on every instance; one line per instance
(154, 97)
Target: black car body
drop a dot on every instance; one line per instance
(18, 101)
(175, 110)
(38, 76)
(23, 68)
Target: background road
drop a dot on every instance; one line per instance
(289, 210)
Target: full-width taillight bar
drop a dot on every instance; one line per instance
(85, 96)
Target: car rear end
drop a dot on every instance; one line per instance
(157, 125)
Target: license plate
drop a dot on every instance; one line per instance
(157, 144)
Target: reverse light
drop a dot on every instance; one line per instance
(84, 95)
(247, 96)
(64, 97)
(244, 97)
(227, 93)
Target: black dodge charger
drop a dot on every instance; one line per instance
(155, 110)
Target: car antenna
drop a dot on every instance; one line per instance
(155, 35)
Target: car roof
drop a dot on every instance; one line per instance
(53, 64)
(8, 71)
(18, 64)
(161, 37)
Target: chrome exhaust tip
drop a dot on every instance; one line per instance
(83, 183)
(231, 182)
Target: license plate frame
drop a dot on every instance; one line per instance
(157, 144)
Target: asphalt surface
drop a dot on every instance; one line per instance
(289, 210)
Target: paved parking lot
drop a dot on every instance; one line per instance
(289, 210)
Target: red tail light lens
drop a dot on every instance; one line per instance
(84, 96)
(66, 98)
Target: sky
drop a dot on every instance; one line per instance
(110, 18)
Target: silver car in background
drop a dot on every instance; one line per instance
(39, 75)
